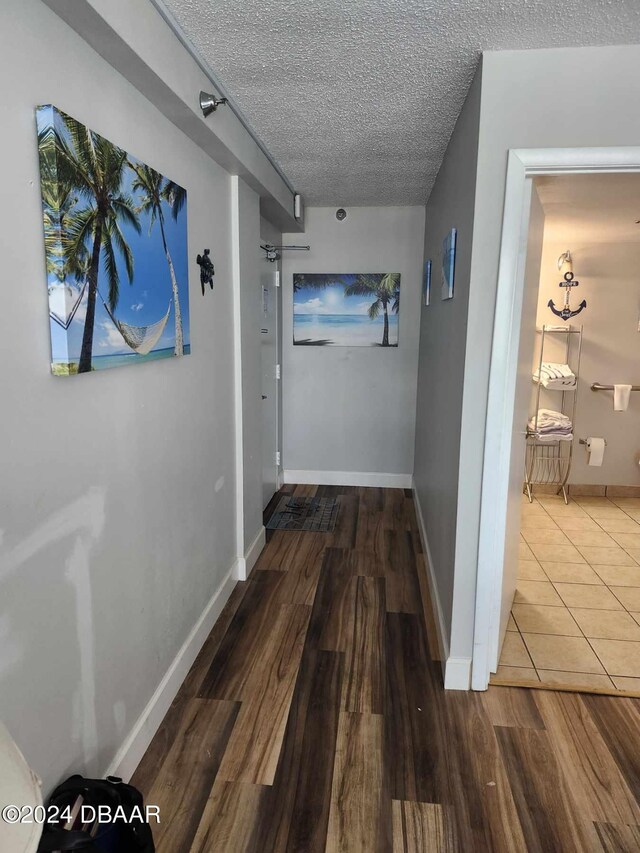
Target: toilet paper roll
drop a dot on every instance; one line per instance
(595, 449)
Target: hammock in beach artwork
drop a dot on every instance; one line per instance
(346, 309)
(116, 251)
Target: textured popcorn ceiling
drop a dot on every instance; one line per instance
(357, 100)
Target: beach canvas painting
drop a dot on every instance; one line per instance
(115, 234)
(346, 309)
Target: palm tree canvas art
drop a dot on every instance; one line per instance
(115, 235)
(346, 309)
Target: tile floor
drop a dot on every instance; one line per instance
(575, 619)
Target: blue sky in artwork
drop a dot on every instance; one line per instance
(146, 299)
(330, 300)
(325, 316)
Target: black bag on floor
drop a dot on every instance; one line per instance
(128, 834)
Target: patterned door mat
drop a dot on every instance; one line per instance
(316, 514)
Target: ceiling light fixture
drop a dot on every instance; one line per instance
(209, 103)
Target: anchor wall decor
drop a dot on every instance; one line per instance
(566, 313)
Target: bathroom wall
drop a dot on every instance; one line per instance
(609, 281)
(353, 409)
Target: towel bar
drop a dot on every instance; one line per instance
(598, 387)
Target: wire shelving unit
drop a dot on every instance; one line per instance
(548, 463)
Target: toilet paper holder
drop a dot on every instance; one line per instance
(584, 441)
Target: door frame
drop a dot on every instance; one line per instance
(275, 268)
(523, 165)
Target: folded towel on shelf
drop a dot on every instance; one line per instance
(551, 426)
(550, 419)
(555, 376)
(558, 384)
(554, 436)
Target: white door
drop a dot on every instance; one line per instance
(269, 338)
(520, 417)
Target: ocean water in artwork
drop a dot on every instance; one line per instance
(102, 362)
(116, 251)
(346, 309)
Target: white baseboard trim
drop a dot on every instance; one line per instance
(453, 669)
(348, 478)
(457, 674)
(137, 741)
(245, 564)
(255, 549)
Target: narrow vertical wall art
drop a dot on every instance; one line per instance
(448, 263)
(427, 282)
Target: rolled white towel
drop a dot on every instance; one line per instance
(551, 373)
(550, 369)
(563, 384)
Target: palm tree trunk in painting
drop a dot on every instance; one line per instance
(179, 346)
(86, 352)
(385, 336)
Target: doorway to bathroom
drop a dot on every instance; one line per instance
(562, 609)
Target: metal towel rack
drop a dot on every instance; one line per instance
(598, 387)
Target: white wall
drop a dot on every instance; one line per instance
(442, 354)
(608, 276)
(271, 234)
(118, 488)
(550, 98)
(352, 409)
(247, 260)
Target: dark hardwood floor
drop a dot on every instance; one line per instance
(315, 719)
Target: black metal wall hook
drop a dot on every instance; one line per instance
(566, 313)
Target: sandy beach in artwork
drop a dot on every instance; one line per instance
(346, 309)
(342, 330)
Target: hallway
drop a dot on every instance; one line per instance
(314, 719)
(304, 230)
